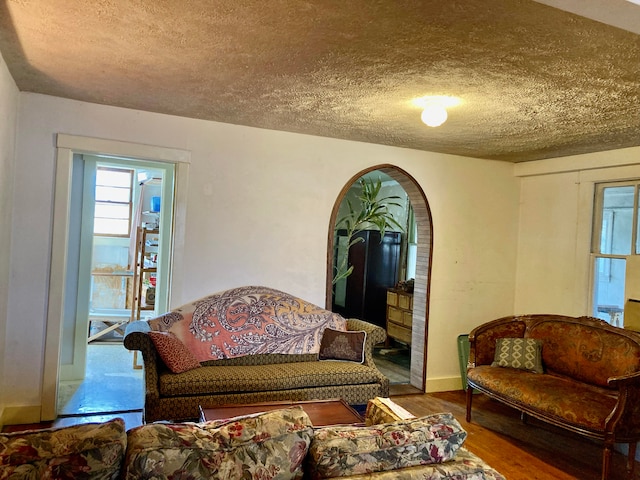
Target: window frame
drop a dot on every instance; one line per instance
(597, 231)
(97, 202)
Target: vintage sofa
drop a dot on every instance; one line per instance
(577, 373)
(264, 329)
(275, 445)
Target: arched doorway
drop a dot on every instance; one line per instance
(423, 263)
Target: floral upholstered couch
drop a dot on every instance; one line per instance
(253, 344)
(577, 373)
(275, 445)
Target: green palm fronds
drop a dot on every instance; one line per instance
(373, 213)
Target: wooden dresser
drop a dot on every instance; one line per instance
(399, 315)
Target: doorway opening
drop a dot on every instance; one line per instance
(421, 247)
(122, 260)
(69, 295)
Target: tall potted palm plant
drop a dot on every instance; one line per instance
(369, 212)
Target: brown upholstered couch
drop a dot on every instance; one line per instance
(590, 383)
(254, 378)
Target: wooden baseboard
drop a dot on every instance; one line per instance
(20, 415)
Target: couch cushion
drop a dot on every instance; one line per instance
(261, 378)
(268, 445)
(88, 451)
(570, 401)
(342, 451)
(520, 353)
(465, 466)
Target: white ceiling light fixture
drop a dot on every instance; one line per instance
(434, 108)
(434, 115)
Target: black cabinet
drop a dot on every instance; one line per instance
(375, 260)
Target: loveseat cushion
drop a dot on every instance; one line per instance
(346, 450)
(268, 445)
(92, 451)
(570, 401)
(261, 378)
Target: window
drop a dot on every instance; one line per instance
(114, 187)
(615, 236)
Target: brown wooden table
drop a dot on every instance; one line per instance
(321, 412)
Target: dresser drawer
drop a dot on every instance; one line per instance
(405, 301)
(399, 333)
(395, 315)
(392, 298)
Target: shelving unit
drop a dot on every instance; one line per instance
(144, 269)
(113, 318)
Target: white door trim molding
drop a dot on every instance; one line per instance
(67, 146)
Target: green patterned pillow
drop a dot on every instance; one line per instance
(521, 353)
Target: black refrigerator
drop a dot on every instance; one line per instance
(376, 262)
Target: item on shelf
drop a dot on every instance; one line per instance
(406, 285)
(150, 295)
(155, 204)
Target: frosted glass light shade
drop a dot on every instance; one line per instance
(434, 115)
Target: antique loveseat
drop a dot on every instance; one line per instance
(577, 373)
(253, 344)
(275, 445)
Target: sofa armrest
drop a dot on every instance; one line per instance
(624, 420)
(375, 335)
(136, 338)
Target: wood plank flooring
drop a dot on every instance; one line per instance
(534, 451)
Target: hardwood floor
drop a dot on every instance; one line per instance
(535, 451)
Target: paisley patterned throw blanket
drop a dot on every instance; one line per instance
(248, 320)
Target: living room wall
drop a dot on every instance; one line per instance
(555, 228)
(8, 113)
(258, 209)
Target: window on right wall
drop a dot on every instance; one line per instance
(615, 236)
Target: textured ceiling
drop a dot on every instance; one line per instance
(534, 81)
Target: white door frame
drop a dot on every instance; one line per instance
(67, 146)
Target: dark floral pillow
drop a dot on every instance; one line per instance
(342, 345)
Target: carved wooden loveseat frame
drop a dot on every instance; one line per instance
(590, 384)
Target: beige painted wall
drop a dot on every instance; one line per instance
(258, 210)
(9, 96)
(556, 210)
